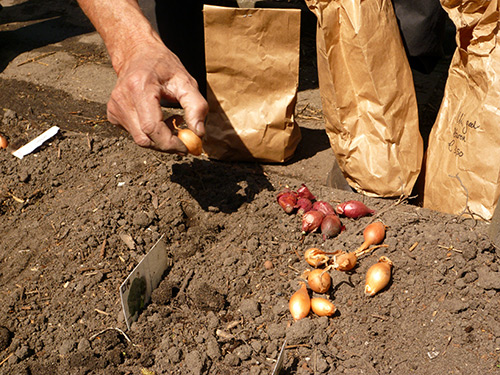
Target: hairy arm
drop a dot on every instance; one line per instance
(147, 72)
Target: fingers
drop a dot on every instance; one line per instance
(135, 101)
(195, 111)
(140, 114)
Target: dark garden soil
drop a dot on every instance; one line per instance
(77, 216)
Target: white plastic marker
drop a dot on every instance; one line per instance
(31, 146)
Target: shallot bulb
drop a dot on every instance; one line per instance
(192, 142)
(324, 207)
(316, 257)
(353, 209)
(378, 276)
(345, 261)
(300, 303)
(303, 192)
(322, 307)
(303, 205)
(319, 280)
(373, 234)
(287, 199)
(3, 142)
(331, 226)
(311, 221)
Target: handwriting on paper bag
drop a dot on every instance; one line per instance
(461, 128)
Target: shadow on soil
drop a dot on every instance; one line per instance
(202, 179)
(28, 26)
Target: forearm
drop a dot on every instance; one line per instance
(122, 26)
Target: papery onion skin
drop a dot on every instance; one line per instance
(353, 209)
(300, 303)
(378, 276)
(191, 141)
(303, 205)
(345, 261)
(373, 234)
(315, 257)
(303, 192)
(331, 226)
(322, 307)
(287, 199)
(311, 221)
(319, 280)
(324, 207)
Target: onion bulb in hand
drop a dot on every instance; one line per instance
(300, 303)
(191, 141)
(378, 276)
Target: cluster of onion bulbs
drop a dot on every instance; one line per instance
(319, 280)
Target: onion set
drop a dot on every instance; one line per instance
(319, 280)
(373, 234)
(322, 307)
(300, 303)
(316, 257)
(378, 276)
(347, 261)
(311, 221)
(192, 142)
(331, 226)
(303, 205)
(353, 209)
(303, 192)
(324, 207)
(287, 199)
(3, 142)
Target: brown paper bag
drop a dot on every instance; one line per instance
(252, 60)
(368, 95)
(463, 157)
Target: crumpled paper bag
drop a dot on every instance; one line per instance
(463, 157)
(368, 96)
(252, 61)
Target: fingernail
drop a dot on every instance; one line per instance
(199, 128)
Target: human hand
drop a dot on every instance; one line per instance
(147, 75)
